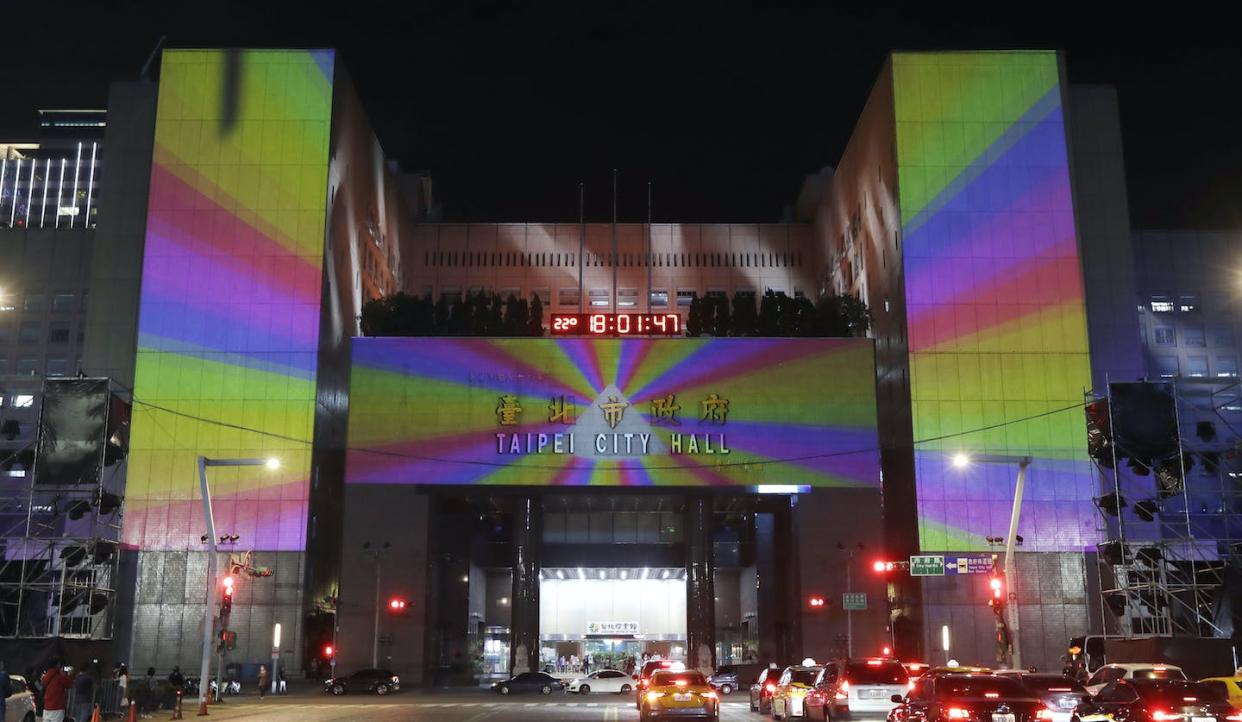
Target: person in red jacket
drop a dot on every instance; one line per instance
(55, 686)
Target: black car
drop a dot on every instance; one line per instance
(1153, 700)
(762, 688)
(1060, 694)
(540, 682)
(968, 698)
(377, 681)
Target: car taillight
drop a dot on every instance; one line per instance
(1234, 715)
(770, 687)
(1044, 714)
(642, 684)
(957, 713)
(1160, 715)
(843, 691)
(709, 694)
(910, 684)
(653, 696)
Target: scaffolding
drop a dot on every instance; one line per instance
(1171, 523)
(60, 542)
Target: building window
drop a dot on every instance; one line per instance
(567, 297)
(599, 297)
(1163, 336)
(57, 366)
(717, 293)
(744, 293)
(659, 298)
(1196, 366)
(27, 365)
(685, 296)
(1166, 366)
(58, 333)
(29, 332)
(1222, 336)
(451, 295)
(1188, 304)
(23, 401)
(1161, 304)
(627, 297)
(544, 295)
(1193, 336)
(33, 303)
(1226, 366)
(62, 302)
(505, 293)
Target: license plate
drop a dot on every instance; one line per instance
(1004, 718)
(685, 697)
(1202, 719)
(871, 694)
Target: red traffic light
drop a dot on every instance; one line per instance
(228, 586)
(327, 651)
(997, 585)
(816, 602)
(396, 604)
(882, 566)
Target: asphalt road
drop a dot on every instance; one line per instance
(442, 707)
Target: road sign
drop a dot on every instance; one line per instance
(975, 564)
(854, 601)
(927, 566)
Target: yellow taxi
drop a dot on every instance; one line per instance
(789, 699)
(678, 695)
(1230, 687)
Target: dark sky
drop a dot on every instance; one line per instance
(724, 107)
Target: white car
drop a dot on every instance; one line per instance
(20, 706)
(605, 680)
(1131, 670)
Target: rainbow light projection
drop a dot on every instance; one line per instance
(474, 411)
(997, 327)
(230, 301)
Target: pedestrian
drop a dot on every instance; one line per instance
(122, 686)
(280, 682)
(560, 664)
(149, 697)
(83, 693)
(263, 681)
(55, 686)
(6, 689)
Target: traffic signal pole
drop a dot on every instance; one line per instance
(204, 672)
(1011, 574)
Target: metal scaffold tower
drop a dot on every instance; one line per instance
(60, 515)
(1168, 468)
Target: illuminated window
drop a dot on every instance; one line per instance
(659, 298)
(1166, 366)
(599, 297)
(57, 366)
(1226, 366)
(1161, 304)
(685, 296)
(1163, 336)
(1196, 366)
(1188, 304)
(62, 302)
(627, 297)
(23, 401)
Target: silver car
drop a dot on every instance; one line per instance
(20, 706)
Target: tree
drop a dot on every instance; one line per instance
(495, 316)
(535, 327)
(459, 318)
(517, 317)
(744, 315)
(768, 315)
(694, 317)
(721, 321)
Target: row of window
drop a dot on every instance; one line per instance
(37, 302)
(30, 332)
(1169, 366)
(1168, 304)
(626, 259)
(1221, 336)
(17, 401)
(602, 297)
(53, 365)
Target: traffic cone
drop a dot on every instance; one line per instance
(133, 712)
(177, 708)
(95, 715)
(202, 707)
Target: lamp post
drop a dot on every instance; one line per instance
(850, 552)
(375, 552)
(961, 461)
(212, 564)
(275, 656)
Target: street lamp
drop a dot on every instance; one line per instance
(851, 552)
(961, 461)
(212, 570)
(375, 552)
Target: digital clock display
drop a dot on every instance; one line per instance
(616, 324)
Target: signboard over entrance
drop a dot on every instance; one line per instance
(620, 629)
(613, 412)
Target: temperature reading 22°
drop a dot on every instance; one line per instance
(564, 324)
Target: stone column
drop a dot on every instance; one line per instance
(700, 586)
(524, 624)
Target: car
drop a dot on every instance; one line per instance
(724, 680)
(605, 680)
(1143, 699)
(1228, 687)
(540, 682)
(650, 667)
(1132, 670)
(915, 669)
(954, 669)
(789, 699)
(762, 688)
(1060, 694)
(378, 681)
(857, 685)
(679, 695)
(966, 698)
(20, 706)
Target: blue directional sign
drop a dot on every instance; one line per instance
(968, 564)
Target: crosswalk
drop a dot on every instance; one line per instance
(460, 705)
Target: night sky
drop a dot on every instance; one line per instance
(723, 107)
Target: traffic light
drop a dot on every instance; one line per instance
(882, 566)
(328, 651)
(996, 591)
(226, 598)
(397, 605)
(227, 641)
(816, 602)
